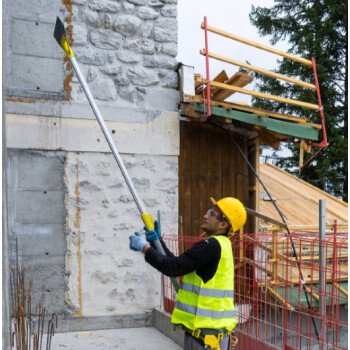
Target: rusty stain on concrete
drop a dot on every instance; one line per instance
(69, 32)
(77, 228)
(21, 99)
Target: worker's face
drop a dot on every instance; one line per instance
(213, 222)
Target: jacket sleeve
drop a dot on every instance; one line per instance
(166, 249)
(199, 255)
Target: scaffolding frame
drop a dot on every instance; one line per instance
(310, 63)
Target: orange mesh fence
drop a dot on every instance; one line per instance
(278, 292)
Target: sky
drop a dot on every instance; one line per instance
(231, 16)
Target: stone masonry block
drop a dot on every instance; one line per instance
(169, 49)
(105, 5)
(92, 18)
(122, 80)
(169, 1)
(160, 62)
(128, 8)
(127, 25)
(155, 3)
(146, 30)
(80, 35)
(170, 80)
(106, 39)
(109, 21)
(91, 74)
(138, 2)
(112, 70)
(127, 57)
(90, 57)
(104, 90)
(165, 30)
(145, 46)
(142, 77)
(169, 11)
(145, 12)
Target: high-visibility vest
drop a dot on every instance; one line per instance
(208, 305)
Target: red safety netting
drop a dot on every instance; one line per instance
(291, 291)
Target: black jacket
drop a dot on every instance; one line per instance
(203, 257)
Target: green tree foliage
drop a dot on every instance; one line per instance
(312, 28)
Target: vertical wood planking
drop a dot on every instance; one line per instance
(209, 166)
(195, 138)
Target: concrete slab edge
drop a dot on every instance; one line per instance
(75, 324)
(161, 321)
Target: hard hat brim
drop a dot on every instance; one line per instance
(213, 200)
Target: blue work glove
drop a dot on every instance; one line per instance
(151, 236)
(137, 242)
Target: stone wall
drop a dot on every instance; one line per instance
(126, 50)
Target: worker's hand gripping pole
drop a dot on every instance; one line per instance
(61, 38)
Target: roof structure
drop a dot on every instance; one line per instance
(297, 199)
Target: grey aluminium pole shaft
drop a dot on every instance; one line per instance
(322, 272)
(108, 136)
(115, 152)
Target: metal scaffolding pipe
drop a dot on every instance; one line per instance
(322, 273)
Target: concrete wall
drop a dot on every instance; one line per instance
(36, 216)
(126, 50)
(32, 60)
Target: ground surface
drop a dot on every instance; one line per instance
(127, 339)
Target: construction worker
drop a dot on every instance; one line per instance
(204, 305)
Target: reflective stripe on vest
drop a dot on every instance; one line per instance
(207, 292)
(204, 312)
(208, 305)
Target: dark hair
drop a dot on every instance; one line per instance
(222, 217)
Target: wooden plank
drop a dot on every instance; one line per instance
(196, 84)
(263, 95)
(273, 125)
(266, 218)
(341, 289)
(307, 196)
(257, 111)
(194, 174)
(185, 189)
(282, 300)
(303, 227)
(226, 168)
(270, 139)
(221, 78)
(238, 79)
(217, 164)
(310, 186)
(260, 70)
(258, 45)
(202, 175)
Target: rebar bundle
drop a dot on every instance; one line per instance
(27, 333)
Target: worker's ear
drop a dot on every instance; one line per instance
(224, 225)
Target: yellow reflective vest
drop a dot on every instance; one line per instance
(208, 305)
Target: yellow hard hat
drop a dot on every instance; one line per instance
(234, 211)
